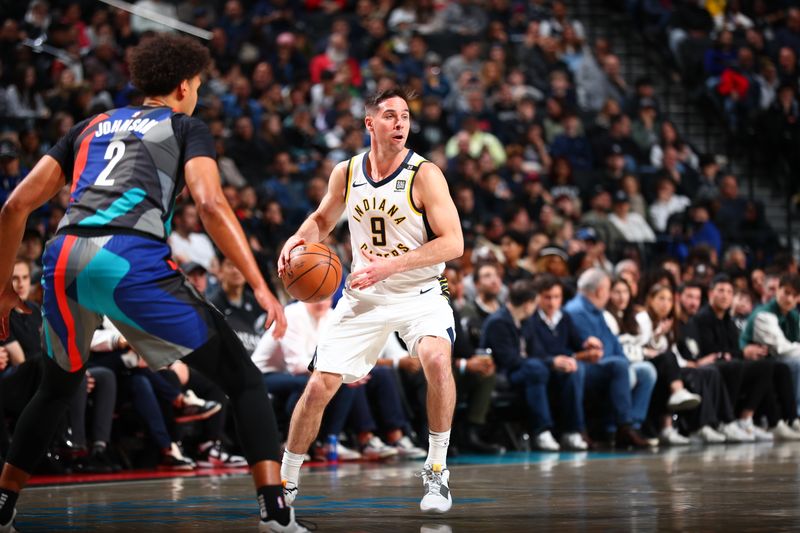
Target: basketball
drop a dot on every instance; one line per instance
(314, 272)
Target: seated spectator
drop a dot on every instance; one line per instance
(598, 218)
(188, 244)
(632, 226)
(632, 187)
(502, 333)
(644, 130)
(156, 399)
(474, 372)
(488, 286)
(251, 153)
(555, 341)
(513, 245)
(336, 54)
(742, 307)
(657, 326)
(284, 364)
(476, 142)
(11, 170)
(749, 376)
(775, 326)
(573, 144)
(610, 366)
(666, 204)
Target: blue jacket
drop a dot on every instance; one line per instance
(504, 337)
(546, 344)
(589, 322)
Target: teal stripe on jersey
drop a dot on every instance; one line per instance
(46, 329)
(168, 225)
(122, 205)
(97, 283)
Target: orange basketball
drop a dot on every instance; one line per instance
(314, 272)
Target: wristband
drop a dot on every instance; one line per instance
(462, 366)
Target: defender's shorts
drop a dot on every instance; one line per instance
(134, 282)
(352, 343)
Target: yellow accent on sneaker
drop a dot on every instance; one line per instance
(436, 467)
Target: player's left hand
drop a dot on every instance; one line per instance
(378, 269)
(9, 300)
(274, 310)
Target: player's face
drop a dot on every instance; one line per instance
(390, 123)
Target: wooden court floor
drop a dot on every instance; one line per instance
(746, 487)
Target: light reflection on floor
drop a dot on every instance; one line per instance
(732, 488)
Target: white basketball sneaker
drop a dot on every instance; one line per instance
(273, 526)
(437, 498)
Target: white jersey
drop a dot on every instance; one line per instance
(384, 221)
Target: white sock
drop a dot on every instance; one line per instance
(290, 467)
(438, 441)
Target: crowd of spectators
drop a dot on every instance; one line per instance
(744, 57)
(572, 184)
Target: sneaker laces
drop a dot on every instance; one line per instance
(432, 480)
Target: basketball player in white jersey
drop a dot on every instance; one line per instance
(403, 227)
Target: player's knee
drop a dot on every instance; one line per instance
(320, 389)
(437, 364)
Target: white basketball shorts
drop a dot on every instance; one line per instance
(352, 343)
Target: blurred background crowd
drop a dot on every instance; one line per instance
(572, 183)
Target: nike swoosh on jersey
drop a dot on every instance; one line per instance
(426, 290)
(359, 184)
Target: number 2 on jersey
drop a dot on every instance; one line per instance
(378, 231)
(114, 152)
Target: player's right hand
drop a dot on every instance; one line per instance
(9, 300)
(274, 310)
(283, 259)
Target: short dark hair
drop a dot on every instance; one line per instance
(720, 278)
(691, 284)
(517, 236)
(476, 271)
(159, 64)
(792, 281)
(545, 282)
(374, 100)
(521, 292)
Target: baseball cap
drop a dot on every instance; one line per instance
(586, 234)
(553, 250)
(621, 197)
(190, 266)
(432, 58)
(8, 149)
(647, 102)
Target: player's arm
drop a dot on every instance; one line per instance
(432, 194)
(203, 181)
(41, 184)
(322, 221)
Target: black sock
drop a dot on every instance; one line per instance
(8, 500)
(271, 504)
